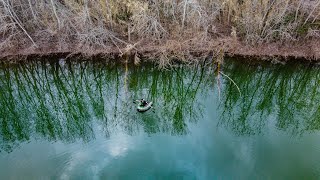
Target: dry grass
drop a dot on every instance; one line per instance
(103, 24)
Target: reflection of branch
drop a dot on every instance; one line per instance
(219, 91)
(231, 81)
(64, 103)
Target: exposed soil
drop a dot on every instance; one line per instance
(307, 50)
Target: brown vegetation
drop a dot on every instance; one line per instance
(166, 29)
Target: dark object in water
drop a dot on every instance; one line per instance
(143, 105)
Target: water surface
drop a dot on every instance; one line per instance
(77, 120)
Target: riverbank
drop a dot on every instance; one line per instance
(184, 51)
(184, 30)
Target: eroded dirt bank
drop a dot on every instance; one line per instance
(190, 50)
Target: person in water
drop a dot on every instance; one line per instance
(144, 102)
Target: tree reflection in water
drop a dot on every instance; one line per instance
(284, 95)
(75, 100)
(63, 102)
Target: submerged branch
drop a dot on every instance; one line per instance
(231, 81)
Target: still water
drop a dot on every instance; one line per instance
(77, 120)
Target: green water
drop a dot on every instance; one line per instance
(62, 120)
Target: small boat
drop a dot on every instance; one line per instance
(145, 108)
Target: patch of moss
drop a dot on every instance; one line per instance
(124, 14)
(303, 29)
(289, 18)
